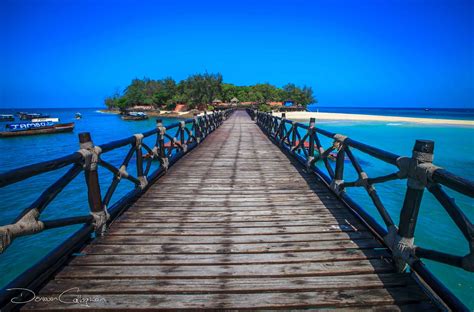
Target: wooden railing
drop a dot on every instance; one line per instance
(171, 143)
(303, 142)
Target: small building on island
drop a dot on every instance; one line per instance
(180, 108)
(216, 102)
(234, 101)
(274, 104)
(291, 106)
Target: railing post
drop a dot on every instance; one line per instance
(197, 128)
(265, 120)
(211, 121)
(293, 135)
(422, 153)
(91, 155)
(281, 129)
(139, 156)
(184, 147)
(206, 124)
(161, 144)
(339, 173)
(311, 134)
(338, 181)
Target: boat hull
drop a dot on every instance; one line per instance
(59, 128)
(134, 117)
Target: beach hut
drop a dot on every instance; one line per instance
(235, 101)
(291, 106)
(216, 102)
(274, 104)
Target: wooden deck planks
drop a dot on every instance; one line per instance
(236, 224)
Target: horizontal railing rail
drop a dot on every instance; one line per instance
(303, 142)
(171, 143)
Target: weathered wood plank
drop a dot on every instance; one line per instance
(223, 259)
(226, 246)
(234, 285)
(225, 214)
(247, 239)
(231, 270)
(143, 223)
(228, 231)
(183, 218)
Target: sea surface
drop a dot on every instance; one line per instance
(454, 150)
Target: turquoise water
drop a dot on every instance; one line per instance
(454, 149)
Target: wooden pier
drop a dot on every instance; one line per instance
(236, 211)
(235, 224)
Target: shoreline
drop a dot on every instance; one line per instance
(165, 114)
(305, 116)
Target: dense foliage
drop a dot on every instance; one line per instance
(203, 89)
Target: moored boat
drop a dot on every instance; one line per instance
(78, 116)
(7, 117)
(45, 120)
(34, 128)
(29, 116)
(135, 116)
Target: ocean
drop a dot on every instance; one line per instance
(454, 150)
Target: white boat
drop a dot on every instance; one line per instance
(45, 120)
(6, 117)
(135, 116)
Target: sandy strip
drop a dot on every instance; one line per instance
(304, 116)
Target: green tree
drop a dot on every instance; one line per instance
(264, 93)
(229, 91)
(134, 94)
(264, 108)
(202, 89)
(303, 96)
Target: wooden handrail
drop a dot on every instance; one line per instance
(167, 150)
(418, 170)
(88, 159)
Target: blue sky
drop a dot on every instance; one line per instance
(413, 53)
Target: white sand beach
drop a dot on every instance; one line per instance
(305, 116)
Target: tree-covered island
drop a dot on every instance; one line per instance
(201, 91)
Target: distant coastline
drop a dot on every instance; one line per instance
(464, 113)
(304, 116)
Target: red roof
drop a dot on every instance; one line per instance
(180, 108)
(275, 103)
